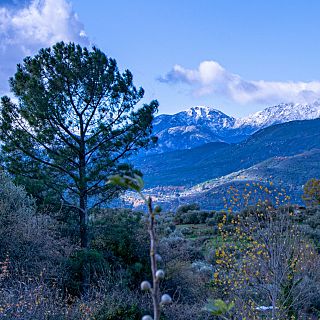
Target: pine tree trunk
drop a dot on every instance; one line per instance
(83, 212)
(84, 237)
(84, 242)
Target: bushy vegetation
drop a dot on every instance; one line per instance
(311, 192)
(266, 263)
(222, 255)
(41, 266)
(191, 214)
(65, 255)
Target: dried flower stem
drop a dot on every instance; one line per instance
(155, 292)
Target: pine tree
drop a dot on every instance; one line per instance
(74, 121)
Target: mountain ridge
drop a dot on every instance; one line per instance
(189, 167)
(200, 125)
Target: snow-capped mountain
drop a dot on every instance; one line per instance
(190, 128)
(280, 114)
(199, 115)
(200, 125)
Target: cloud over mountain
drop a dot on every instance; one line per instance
(26, 29)
(211, 78)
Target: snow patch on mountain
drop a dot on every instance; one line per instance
(182, 129)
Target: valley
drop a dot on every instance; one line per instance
(288, 154)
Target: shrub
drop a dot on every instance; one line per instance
(183, 209)
(25, 236)
(311, 192)
(84, 258)
(16, 211)
(191, 214)
(309, 223)
(121, 238)
(34, 299)
(123, 311)
(187, 207)
(266, 261)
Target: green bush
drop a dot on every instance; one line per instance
(187, 207)
(119, 249)
(309, 223)
(121, 237)
(184, 209)
(196, 217)
(217, 217)
(88, 258)
(191, 214)
(123, 312)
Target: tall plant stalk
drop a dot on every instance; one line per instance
(135, 183)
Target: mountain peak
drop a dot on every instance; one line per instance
(202, 109)
(202, 112)
(280, 113)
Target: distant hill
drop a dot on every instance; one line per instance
(200, 125)
(214, 160)
(286, 172)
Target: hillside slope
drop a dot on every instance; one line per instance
(189, 167)
(289, 173)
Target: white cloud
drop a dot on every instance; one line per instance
(24, 30)
(211, 78)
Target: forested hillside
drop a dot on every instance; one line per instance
(188, 167)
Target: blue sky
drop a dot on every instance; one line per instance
(237, 56)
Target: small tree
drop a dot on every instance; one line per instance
(264, 264)
(311, 192)
(74, 121)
